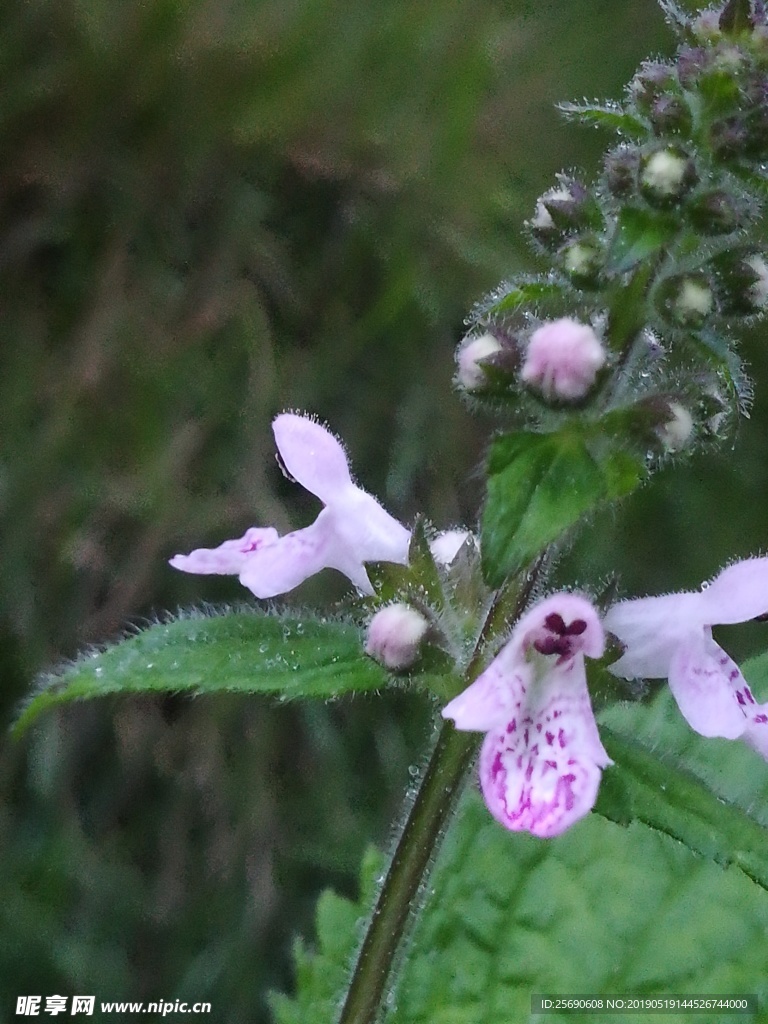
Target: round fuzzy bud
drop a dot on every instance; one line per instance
(715, 213)
(688, 299)
(707, 25)
(741, 282)
(755, 106)
(666, 175)
(394, 636)
(621, 168)
(670, 115)
(692, 61)
(582, 260)
(676, 432)
(472, 353)
(652, 81)
(729, 137)
(562, 360)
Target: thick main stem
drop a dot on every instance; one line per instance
(440, 787)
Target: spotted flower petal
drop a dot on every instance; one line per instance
(228, 558)
(541, 771)
(709, 688)
(542, 758)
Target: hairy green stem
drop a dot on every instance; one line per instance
(442, 783)
(436, 798)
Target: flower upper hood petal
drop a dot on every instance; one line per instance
(739, 593)
(312, 455)
(651, 629)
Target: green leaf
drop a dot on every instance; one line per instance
(246, 651)
(611, 116)
(647, 786)
(710, 794)
(622, 473)
(321, 975)
(511, 297)
(539, 485)
(640, 234)
(736, 18)
(602, 909)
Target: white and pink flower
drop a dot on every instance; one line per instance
(352, 528)
(671, 637)
(542, 759)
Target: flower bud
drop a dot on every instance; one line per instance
(729, 137)
(562, 360)
(742, 283)
(621, 168)
(562, 210)
(471, 358)
(676, 432)
(661, 422)
(715, 213)
(707, 25)
(692, 61)
(670, 115)
(715, 410)
(759, 289)
(652, 80)
(688, 299)
(666, 175)
(394, 636)
(560, 200)
(582, 260)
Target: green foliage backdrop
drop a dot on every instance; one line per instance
(210, 212)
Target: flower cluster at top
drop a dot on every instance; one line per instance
(542, 758)
(626, 333)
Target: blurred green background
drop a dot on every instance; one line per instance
(209, 212)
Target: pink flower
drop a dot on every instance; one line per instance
(562, 360)
(671, 637)
(541, 759)
(351, 529)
